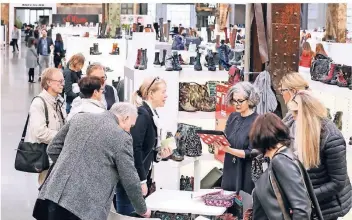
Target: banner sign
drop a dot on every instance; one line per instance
(142, 19)
(75, 19)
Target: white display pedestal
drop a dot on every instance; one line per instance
(3, 36)
(141, 40)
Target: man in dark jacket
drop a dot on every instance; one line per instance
(110, 94)
(43, 49)
(82, 181)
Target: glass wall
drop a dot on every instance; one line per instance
(30, 16)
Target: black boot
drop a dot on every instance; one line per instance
(156, 60)
(197, 64)
(118, 34)
(156, 28)
(169, 63)
(209, 35)
(192, 60)
(224, 56)
(211, 63)
(176, 61)
(161, 23)
(95, 49)
(164, 56)
(143, 64)
(182, 183)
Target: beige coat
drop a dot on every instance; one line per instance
(37, 131)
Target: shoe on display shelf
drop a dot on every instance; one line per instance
(341, 80)
(210, 61)
(95, 49)
(162, 63)
(338, 120)
(156, 29)
(169, 63)
(197, 64)
(327, 79)
(148, 29)
(156, 59)
(139, 58)
(115, 49)
(118, 34)
(161, 31)
(86, 34)
(144, 60)
(176, 61)
(181, 61)
(234, 75)
(107, 69)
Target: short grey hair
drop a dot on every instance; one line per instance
(249, 92)
(94, 66)
(124, 109)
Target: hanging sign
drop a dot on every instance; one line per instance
(75, 19)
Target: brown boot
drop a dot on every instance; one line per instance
(139, 58)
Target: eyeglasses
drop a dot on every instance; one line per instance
(283, 90)
(155, 79)
(238, 101)
(62, 81)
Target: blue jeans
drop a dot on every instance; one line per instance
(123, 204)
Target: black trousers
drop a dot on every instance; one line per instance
(14, 41)
(56, 212)
(57, 60)
(31, 74)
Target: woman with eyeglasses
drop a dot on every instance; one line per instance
(291, 83)
(146, 136)
(72, 75)
(89, 100)
(238, 158)
(322, 149)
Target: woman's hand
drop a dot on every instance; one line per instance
(219, 146)
(165, 152)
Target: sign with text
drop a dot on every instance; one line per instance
(75, 19)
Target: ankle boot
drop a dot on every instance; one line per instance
(176, 62)
(341, 81)
(226, 36)
(192, 60)
(197, 64)
(139, 58)
(156, 28)
(236, 58)
(95, 49)
(168, 30)
(163, 59)
(161, 22)
(169, 63)
(208, 34)
(144, 60)
(91, 50)
(118, 34)
(115, 49)
(156, 59)
(148, 28)
(327, 79)
(211, 63)
(180, 60)
(338, 120)
(350, 84)
(224, 56)
(234, 75)
(192, 183)
(182, 183)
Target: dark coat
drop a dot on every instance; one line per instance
(144, 135)
(70, 78)
(237, 175)
(290, 181)
(49, 42)
(330, 180)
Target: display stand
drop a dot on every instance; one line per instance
(335, 98)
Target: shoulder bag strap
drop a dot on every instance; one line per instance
(46, 118)
(278, 193)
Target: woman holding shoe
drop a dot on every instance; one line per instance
(238, 157)
(146, 135)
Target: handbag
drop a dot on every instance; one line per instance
(219, 199)
(32, 157)
(282, 201)
(187, 140)
(11, 43)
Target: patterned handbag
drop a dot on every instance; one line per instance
(187, 140)
(219, 199)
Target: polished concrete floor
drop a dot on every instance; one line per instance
(19, 189)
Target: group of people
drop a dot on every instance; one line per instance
(304, 142)
(308, 55)
(39, 51)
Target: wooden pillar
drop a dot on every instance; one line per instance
(336, 19)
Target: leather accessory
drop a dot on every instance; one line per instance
(219, 199)
(32, 157)
(320, 67)
(195, 97)
(282, 201)
(187, 140)
(178, 43)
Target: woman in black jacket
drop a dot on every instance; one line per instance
(72, 75)
(270, 136)
(322, 149)
(58, 50)
(146, 134)
(238, 157)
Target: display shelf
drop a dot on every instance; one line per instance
(182, 115)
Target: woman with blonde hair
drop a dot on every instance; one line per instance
(307, 56)
(146, 134)
(72, 74)
(319, 49)
(322, 149)
(291, 83)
